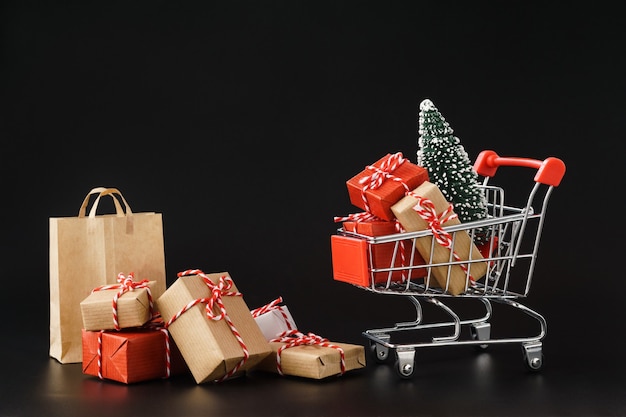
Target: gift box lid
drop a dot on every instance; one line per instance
(406, 176)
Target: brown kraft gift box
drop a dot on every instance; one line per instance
(313, 361)
(405, 177)
(134, 308)
(412, 221)
(210, 347)
(130, 355)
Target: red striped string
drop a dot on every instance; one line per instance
(168, 354)
(157, 323)
(426, 209)
(217, 291)
(125, 284)
(357, 217)
(292, 338)
(100, 354)
(400, 229)
(273, 306)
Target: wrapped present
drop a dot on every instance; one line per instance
(426, 208)
(386, 255)
(131, 355)
(273, 319)
(311, 356)
(212, 325)
(118, 306)
(384, 183)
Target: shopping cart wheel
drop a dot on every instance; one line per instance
(533, 355)
(379, 352)
(480, 331)
(405, 362)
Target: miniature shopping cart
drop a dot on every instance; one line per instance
(509, 256)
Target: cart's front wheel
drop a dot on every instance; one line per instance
(405, 363)
(533, 356)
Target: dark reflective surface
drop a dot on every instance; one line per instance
(447, 381)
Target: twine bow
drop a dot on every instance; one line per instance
(274, 305)
(218, 290)
(426, 209)
(292, 338)
(380, 174)
(126, 284)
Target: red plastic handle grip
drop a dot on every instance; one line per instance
(550, 171)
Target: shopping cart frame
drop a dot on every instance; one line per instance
(511, 261)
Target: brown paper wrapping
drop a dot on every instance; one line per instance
(412, 221)
(209, 347)
(133, 309)
(313, 361)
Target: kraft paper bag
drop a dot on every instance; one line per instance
(88, 251)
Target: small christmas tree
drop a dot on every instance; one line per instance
(449, 167)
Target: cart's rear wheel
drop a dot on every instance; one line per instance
(379, 352)
(480, 331)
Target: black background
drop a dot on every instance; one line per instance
(241, 121)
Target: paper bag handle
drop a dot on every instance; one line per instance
(115, 194)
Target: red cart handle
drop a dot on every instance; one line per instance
(550, 171)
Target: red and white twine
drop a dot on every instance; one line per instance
(125, 284)
(426, 209)
(218, 290)
(157, 323)
(293, 338)
(100, 354)
(274, 305)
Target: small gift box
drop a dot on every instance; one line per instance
(118, 306)
(426, 208)
(311, 356)
(384, 183)
(212, 325)
(273, 319)
(130, 355)
(385, 255)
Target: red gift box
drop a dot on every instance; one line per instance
(384, 183)
(350, 255)
(130, 355)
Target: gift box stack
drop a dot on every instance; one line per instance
(201, 325)
(397, 197)
(123, 336)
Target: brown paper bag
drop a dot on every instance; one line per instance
(88, 251)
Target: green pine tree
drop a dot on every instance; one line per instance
(440, 152)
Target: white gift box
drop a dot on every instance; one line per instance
(275, 321)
